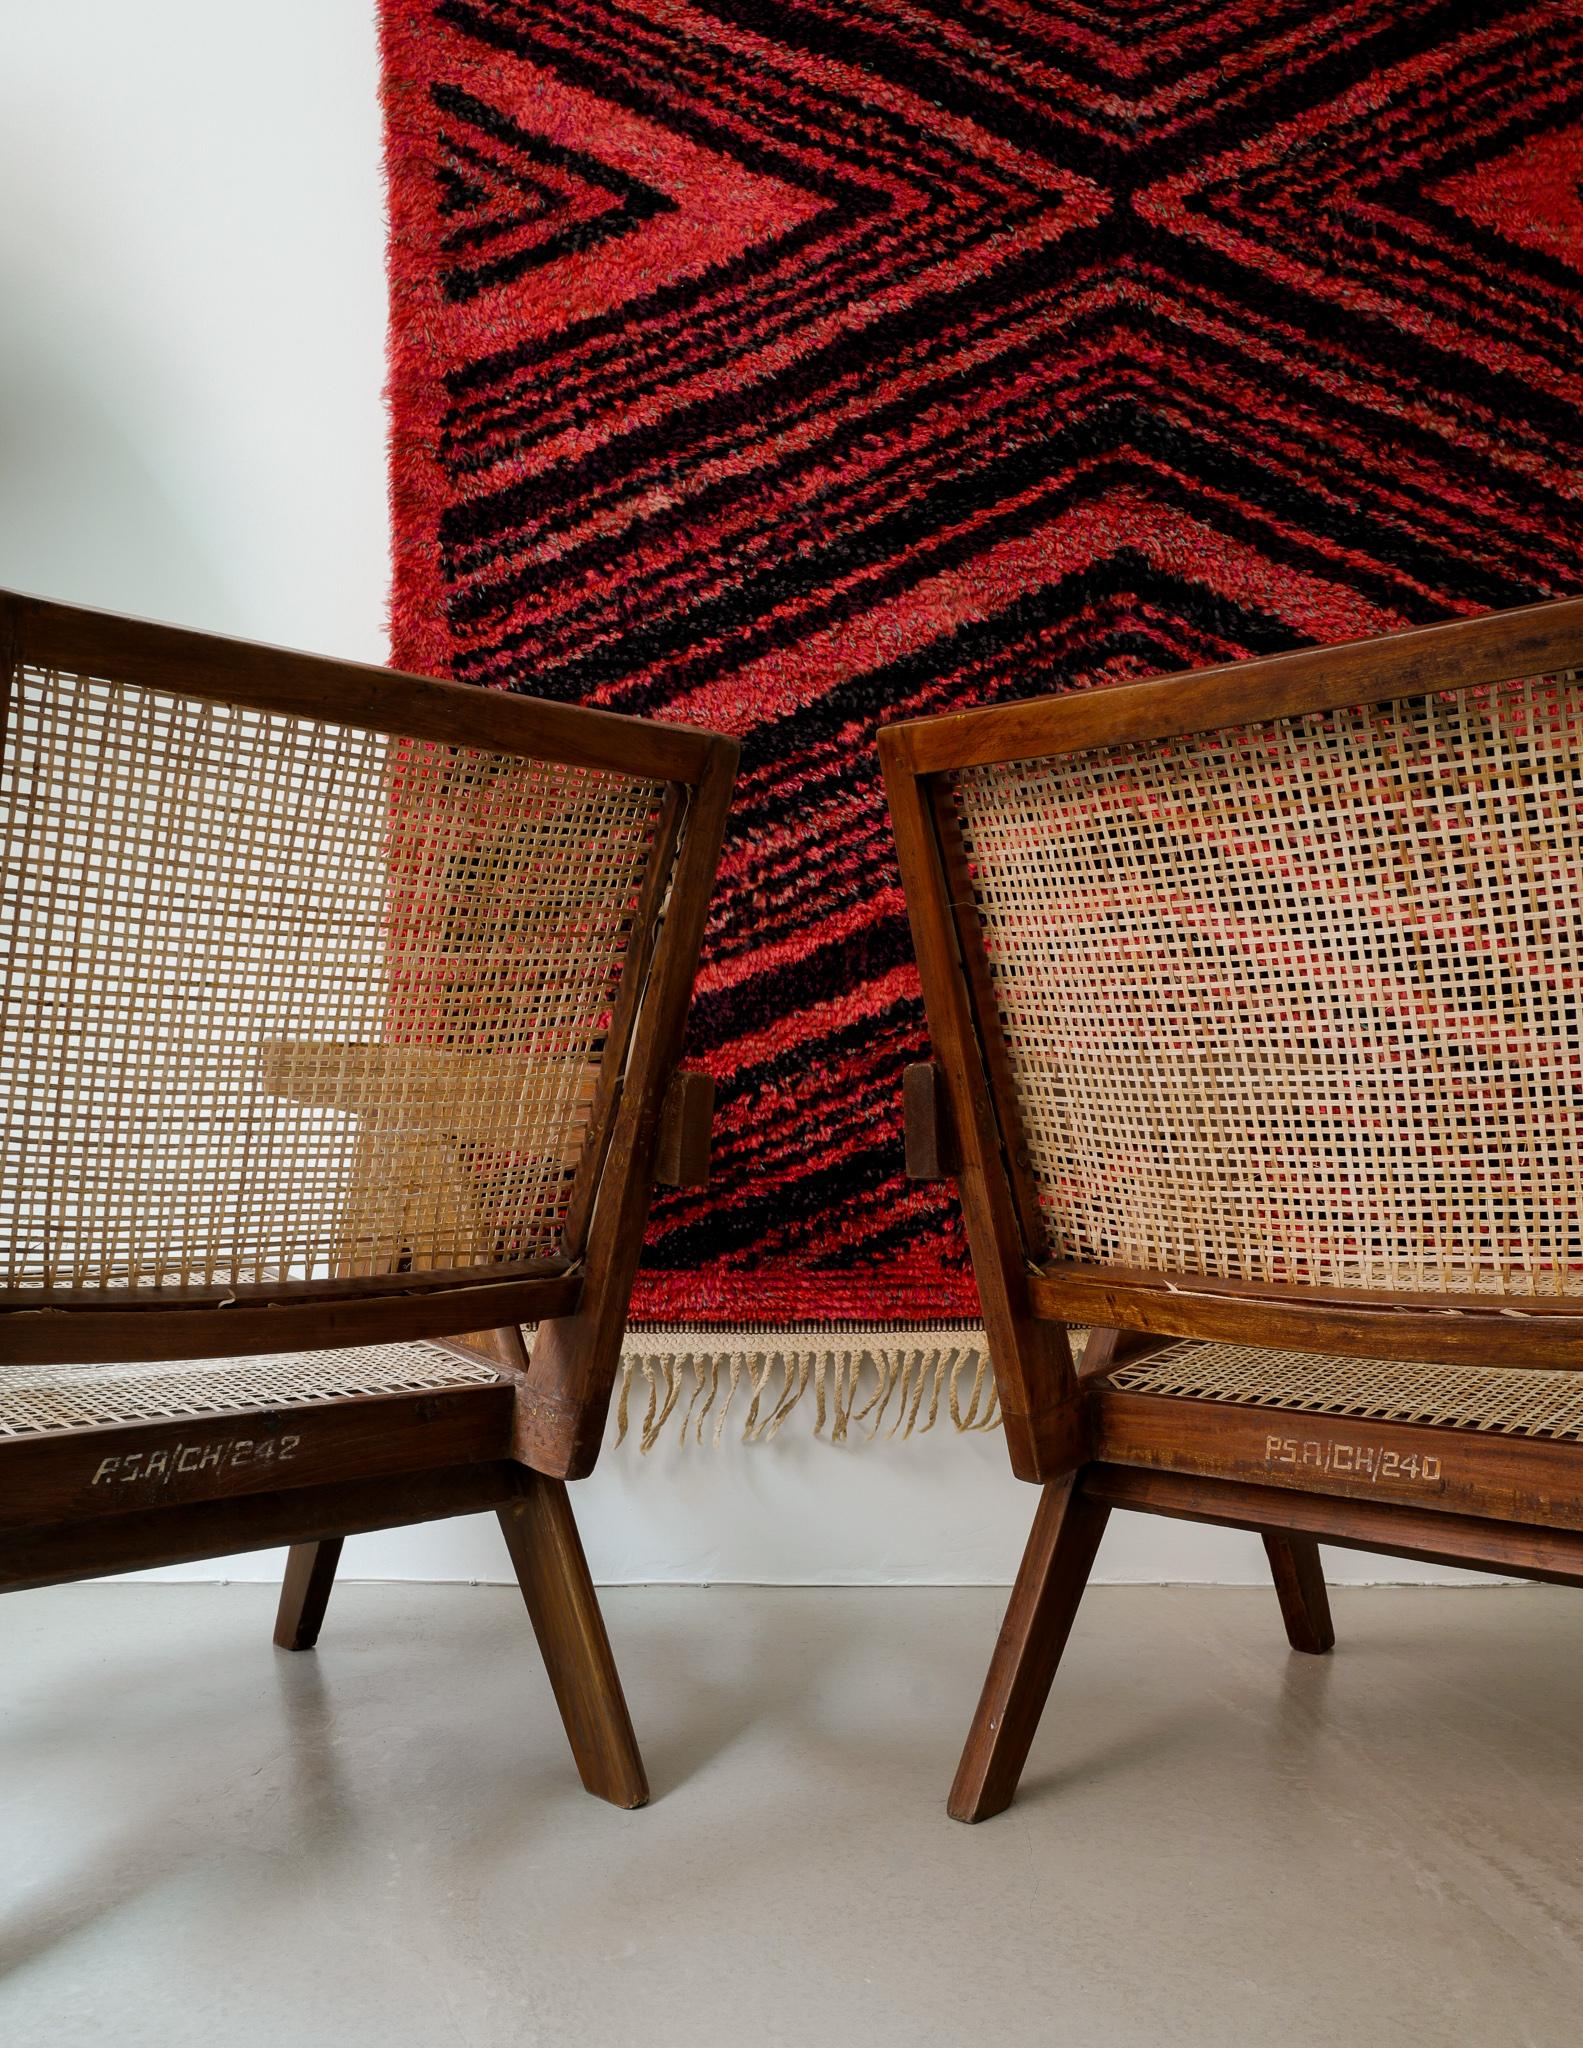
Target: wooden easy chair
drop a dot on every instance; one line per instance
(341, 1020)
(1255, 1000)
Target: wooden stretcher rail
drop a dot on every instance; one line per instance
(1477, 1329)
(118, 1468)
(48, 1554)
(1397, 1531)
(309, 1313)
(1435, 1468)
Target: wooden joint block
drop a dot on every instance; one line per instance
(686, 1124)
(928, 1134)
(503, 1348)
(1047, 1445)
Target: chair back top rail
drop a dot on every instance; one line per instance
(40, 633)
(1452, 654)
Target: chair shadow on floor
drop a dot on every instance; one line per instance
(158, 1846)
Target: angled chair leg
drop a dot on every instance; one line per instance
(305, 1593)
(1300, 1588)
(547, 1555)
(1050, 1582)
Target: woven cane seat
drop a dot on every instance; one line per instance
(1503, 1402)
(39, 1399)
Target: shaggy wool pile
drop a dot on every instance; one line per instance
(785, 365)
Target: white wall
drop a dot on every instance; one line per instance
(191, 428)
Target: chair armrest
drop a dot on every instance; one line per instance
(928, 1135)
(460, 1093)
(686, 1126)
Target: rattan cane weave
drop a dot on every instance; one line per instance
(38, 1399)
(1298, 1002)
(1505, 1402)
(290, 1000)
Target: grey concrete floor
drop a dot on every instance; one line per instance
(208, 1841)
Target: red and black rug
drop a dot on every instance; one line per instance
(788, 364)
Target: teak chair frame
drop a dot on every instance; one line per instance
(1504, 1504)
(382, 1460)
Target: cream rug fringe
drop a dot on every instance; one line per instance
(863, 1381)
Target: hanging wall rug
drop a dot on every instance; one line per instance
(787, 365)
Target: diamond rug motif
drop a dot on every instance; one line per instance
(786, 367)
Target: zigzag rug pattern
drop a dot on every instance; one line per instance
(788, 366)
